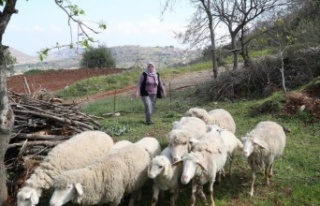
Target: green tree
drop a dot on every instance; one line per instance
(100, 57)
(8, 8)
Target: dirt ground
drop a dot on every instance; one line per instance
(55, 80)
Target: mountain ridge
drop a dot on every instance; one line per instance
(126, 56)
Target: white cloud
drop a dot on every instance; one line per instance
(151, 27)
(38, 28)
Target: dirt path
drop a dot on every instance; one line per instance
(179, 81)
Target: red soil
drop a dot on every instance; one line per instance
(55, 80)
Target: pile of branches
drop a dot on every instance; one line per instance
(42, 124)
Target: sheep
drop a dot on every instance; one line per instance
(201, 165)
(75, 152)
(165, 176)
(261, 146)
(118, 145)
(230, 141)
(182, 131)
(106, 180)
(219, 117)
(151, 145)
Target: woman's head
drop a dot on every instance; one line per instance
(150, 67)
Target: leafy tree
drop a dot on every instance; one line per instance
(8, 8)
(100, 57)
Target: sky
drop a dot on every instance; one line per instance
(40, 23)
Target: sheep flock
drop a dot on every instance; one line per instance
(92, 168)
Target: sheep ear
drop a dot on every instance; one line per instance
(177, 162)
(34, 198)
(203, 166)
(193, 141)
(79, 188)
(260, 143)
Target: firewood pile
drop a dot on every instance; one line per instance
(42, 124)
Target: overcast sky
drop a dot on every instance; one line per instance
(40, 23)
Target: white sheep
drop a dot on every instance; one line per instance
(106, 180)
(119, 144)
(182, 131)
(201, 165)
(165, 176)
(76, 152)
(230, 141)
(219, 117)
(262, 146)
(151, 145)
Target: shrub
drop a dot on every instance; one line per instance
(97, 58)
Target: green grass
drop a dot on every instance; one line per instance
(296, 179)
(297, 172)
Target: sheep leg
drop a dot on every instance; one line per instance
(174, 195)
(155, 196)
(133, 197)
(231, 163)
(268, 173)
(252, 183)
(211, 193)
(193, 195)
(200, 193)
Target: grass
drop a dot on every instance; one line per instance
(297, 172)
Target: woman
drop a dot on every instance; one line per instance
(148, 86)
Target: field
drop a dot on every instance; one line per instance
(55, 80)
(297, 173)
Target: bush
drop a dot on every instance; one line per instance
(97, 58)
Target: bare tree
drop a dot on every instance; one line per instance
(201, 31)
(6, 113)
(236, 14)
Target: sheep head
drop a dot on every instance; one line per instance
(28, 196)
(252, 144)
(63, 195)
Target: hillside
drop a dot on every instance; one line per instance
(21, 57)
(125, 56)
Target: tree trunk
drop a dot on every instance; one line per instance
(235, 52)
(6, 113)
(6, 124)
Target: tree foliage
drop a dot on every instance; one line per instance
(100, 57)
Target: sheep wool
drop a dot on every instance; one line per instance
(105, 181)
(262, 146)
(77, 152)
(165, 176)
(182, 132)
(219, 117)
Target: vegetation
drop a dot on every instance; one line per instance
(297, 175)
(108, 83)
(97, 58)
(37, 71)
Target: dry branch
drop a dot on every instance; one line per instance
(45, 124)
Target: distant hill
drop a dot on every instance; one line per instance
(125, 56)
(22, 58)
